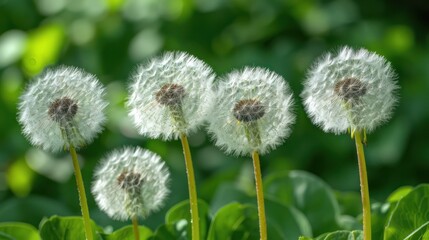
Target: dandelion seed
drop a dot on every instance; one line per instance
(61, 107)
(252, 111)
(129, 183)
(170, 95)
(355, 89)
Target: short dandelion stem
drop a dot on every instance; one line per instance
(82, 195)
(259, 196)
(366, 206)
(192, 188)
(135, 221)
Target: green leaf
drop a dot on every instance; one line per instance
(127, 233)
(240, 221)
(410, 217)
(399, 193)
(289, 222)
(342, 235)
(338, 235)
(235, 221)
(178, 220)
(57, 227)
(307, 193)
(17, 231)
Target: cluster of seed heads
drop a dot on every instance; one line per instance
(248, 110)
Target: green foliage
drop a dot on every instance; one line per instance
(307, 193)
(127, 233)
(57, 227)
(178, 220)
(338, 235)
(298, 205)
(409, 218)
(14, 230)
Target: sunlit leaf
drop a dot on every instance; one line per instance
(14, 230)
(127, 233)
(338, 235)
(409, 219)
(178, 219)
(57, 227)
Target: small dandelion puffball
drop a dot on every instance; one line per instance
(62, 106)
(170, 95)
(252, 111)
(353, 90)
(130, 182)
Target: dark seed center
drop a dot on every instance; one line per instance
(63, 109)
(350, 89)
(248, 110)
(170, 94)
(129, 180)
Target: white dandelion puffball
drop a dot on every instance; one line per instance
(170, 95)
(252, 111)
(62, 106)
(130, 182)
(355, 89)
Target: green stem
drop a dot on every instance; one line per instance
(192, 188)
(366, 206)
(82, 195)
(135, 221)
(259, 196)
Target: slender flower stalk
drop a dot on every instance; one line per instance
(252, 114)
(352, 91)
(135, 221)
(259, 196)
(169, 98)
(63, 109)
(366, 205)
(82, 195)
(191, 186)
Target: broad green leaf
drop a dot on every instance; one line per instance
(289, 222)
(399, 193)
(18, 231)
(284, 220)
(338, 235)
(178, 219)
(57, 227)
(235, 222)
(127, 233)
(410, 215)
(307, 193)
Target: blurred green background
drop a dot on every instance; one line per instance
(110, 37)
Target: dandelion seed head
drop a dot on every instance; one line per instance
(170, 95)
(248, 110)
(354, 89)
(252, 110)
(62, 109)
(62, 106)
(130, 182)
